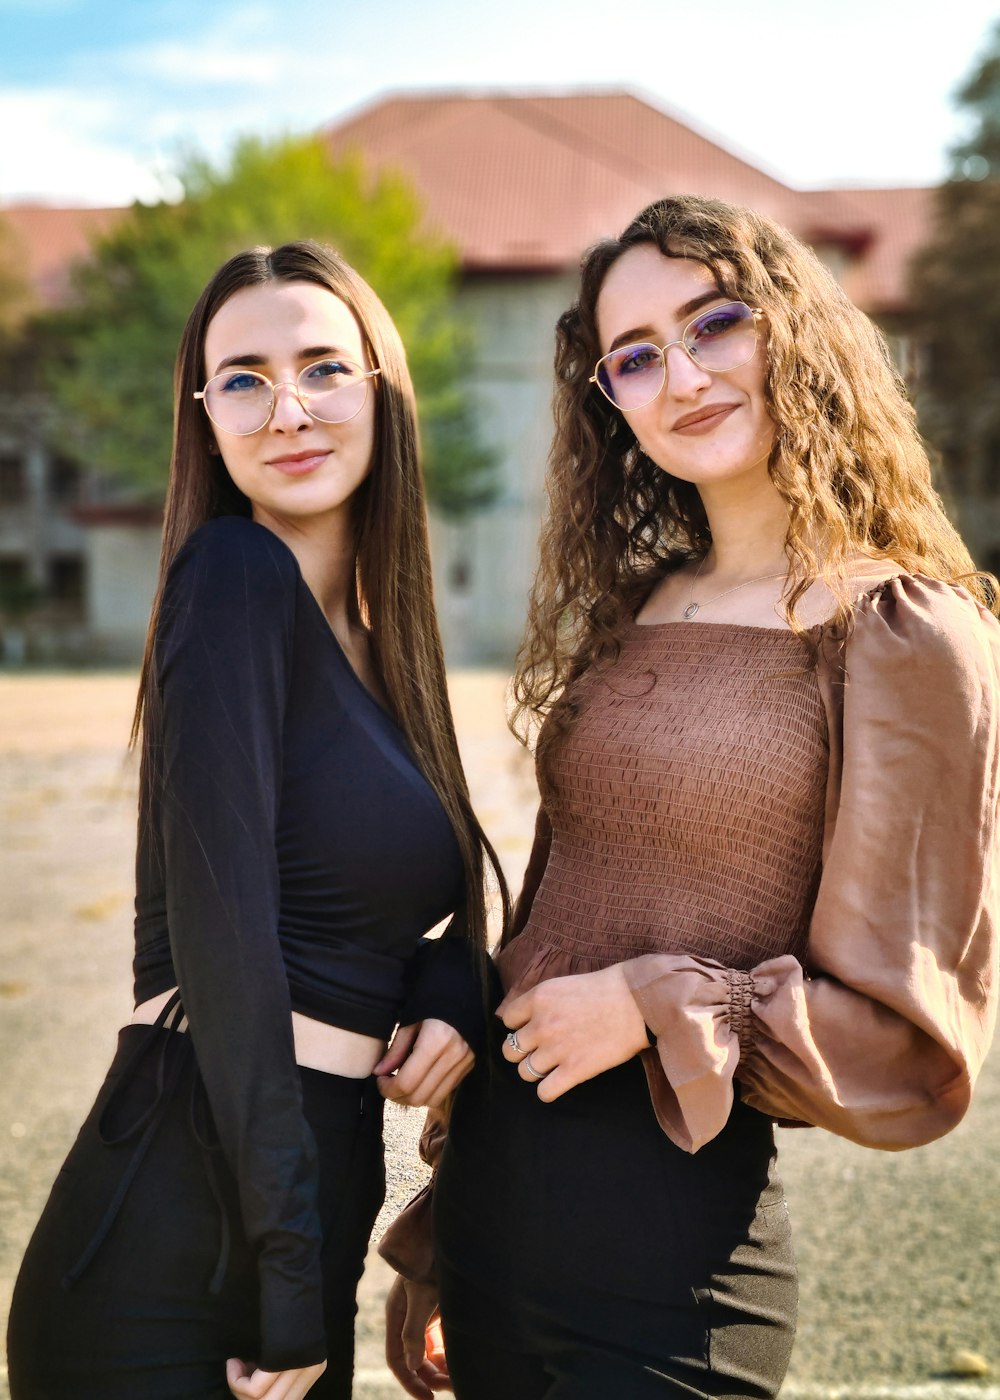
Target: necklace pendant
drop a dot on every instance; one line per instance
(690, 611)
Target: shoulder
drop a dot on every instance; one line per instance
(927, 616)
(232, 588)
(235, 559)
(232, 542)
(926, 641)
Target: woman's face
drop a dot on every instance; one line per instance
(294, 467)
(703, 427)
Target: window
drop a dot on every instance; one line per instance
(13, 481)
(65, 574)
(64, 479)
(13, 573)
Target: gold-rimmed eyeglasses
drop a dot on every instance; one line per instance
(241, 401)
(718, 340)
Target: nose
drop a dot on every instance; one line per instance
(289, 414)
(685, 375)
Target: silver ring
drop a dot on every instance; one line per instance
(535, 1074)
(512, 1041)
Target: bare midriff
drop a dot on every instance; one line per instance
(317, 1045)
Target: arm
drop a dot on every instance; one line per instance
(880, 1035)
(222, 662)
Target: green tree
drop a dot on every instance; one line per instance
(110, 352)
(15, 294)
(956, 293)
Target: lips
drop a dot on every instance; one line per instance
(704, 419)
(300, 463)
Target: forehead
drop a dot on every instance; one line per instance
(645, 288)
(279, 319)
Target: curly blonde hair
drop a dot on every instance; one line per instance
(847, 457)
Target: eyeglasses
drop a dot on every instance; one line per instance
(241, 401)
(717, 340)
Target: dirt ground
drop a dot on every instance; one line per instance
(899, 1253)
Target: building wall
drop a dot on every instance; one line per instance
(484, 565)
(122, 566)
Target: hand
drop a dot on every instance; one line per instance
(409, 1308)
(573, 1028)
(248, 1383)
(424, 1064)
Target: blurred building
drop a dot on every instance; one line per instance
(521, 185)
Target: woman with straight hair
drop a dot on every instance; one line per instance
(304, 821)
(764, 678)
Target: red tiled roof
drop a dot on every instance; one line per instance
(528, 182)
(51, 239)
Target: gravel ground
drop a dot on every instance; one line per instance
(899, 1254)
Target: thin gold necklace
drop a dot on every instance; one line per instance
(693, 607)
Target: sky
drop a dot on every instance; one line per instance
(100, 99)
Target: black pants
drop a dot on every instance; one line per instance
(138, 1282)
(581, 1255)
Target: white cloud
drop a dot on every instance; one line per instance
(57, 145)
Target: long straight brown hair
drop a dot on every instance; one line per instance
(394, 594)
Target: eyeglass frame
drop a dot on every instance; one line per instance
(292, 384)
(755, 313)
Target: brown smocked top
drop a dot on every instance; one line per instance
(795, 865)
(686, 805)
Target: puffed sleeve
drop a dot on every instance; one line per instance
(879, 1035)
(222, 664)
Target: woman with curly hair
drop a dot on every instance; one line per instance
(766, 678)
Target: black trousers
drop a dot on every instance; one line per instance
(581, 1254)
(138, 1282)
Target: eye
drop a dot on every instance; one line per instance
(718, 322)
(635, 358)
(243, 381)
(329, 374)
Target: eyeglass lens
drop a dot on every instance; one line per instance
(720, 339)
(240, 401)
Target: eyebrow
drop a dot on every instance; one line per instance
(637, 333)
(312, 352)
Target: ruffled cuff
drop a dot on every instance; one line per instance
(701, 1015)
(408, 1244)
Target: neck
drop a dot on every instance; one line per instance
(748, 522)
(326, 554)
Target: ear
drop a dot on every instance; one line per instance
(213, 447)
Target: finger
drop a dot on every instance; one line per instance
(540, 1064)
(437, 1083)
(432, 1039)
(235, 1370)
(395, 1354)
(255, 1386)
(516, 1053)
(515, 1011)
(450, 1083)
(414, 1335)
(436, 1377)
(435, 1055)
(556, 1083)
(402, 1044)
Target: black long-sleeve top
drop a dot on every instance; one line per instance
(291, 854)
